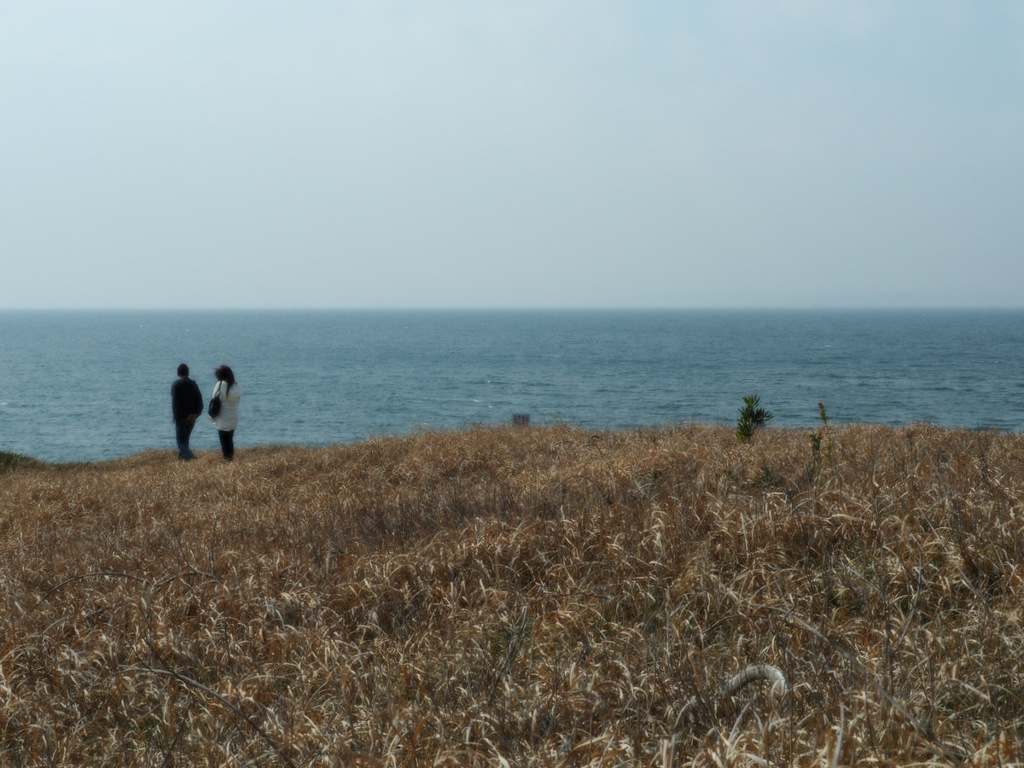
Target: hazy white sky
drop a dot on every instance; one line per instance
(522, 153)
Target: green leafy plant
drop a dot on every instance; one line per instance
(821, 441)
(752, 418)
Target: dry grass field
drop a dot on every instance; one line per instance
(542, 596)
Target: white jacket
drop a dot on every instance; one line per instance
(227, 419)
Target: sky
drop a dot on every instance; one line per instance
(511, 154)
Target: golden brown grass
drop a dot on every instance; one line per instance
(529, 597)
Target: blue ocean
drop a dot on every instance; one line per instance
(94, 385)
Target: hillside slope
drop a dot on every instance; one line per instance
(541, 596)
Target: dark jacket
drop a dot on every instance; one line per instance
(186, 400)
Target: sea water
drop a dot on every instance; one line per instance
(84, 386)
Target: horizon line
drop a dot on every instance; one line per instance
(701, 308)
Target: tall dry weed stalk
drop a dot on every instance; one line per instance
(536, 597)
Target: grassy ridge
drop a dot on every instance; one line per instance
(9, 461)
(543, 596)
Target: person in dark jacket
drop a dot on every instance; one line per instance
(186, 405)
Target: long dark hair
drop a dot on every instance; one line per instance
(225, 374)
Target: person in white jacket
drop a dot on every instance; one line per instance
(227, 420)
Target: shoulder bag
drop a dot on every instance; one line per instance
(214, 410)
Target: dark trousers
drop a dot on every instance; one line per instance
(227, 443)
(182, 433)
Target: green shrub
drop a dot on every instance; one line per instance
(752, 418)
(11, 461)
